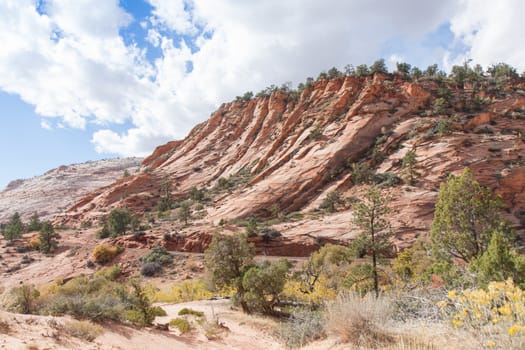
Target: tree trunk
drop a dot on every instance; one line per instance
(242, 302)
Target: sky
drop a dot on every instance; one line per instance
(91, 79)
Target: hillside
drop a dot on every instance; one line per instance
(280, 154)
(51, 193)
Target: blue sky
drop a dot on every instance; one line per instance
(90, 79)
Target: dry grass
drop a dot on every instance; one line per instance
(85, 330)
(360, 321)
(411, 343)
(302, 328)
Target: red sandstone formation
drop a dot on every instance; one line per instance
(295, 150)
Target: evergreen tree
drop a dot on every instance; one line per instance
(184, 213)
(48, 238)
(119, 221)
(34, 223)
(497, 263)
(227, 259)
(14, 227)
(370, 217)
(408, 163)
(466, 216)
(378, 66)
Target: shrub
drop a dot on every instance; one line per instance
(227, 259)
(111, 273)
(48, 238)
(360, 320)
(187, 311)
(140, 312)
(332, 201)
(189, 290)
(497, 312)
(24, 299)
(104, 232)
(361, 173)
(119, 221)
(269, 233)
(150, 269)
(86, 330)
(33, 243)
(159, 255)
(181, 324)
(263, 284)
(302, 328)
(466, 216)
(104, 253)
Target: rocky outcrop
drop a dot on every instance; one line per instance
(285, 152)
(51, 193)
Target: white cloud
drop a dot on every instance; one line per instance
(72, 64)
(493, 32)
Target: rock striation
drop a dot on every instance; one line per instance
(286, 151)
(51, 193)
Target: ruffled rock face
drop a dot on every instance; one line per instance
(51, 193)
(285, 152)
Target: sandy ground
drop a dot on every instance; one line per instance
(237, 331)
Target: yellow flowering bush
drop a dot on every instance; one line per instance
(189, 290)
(498, 312)
(295, 290)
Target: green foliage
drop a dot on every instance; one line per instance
(110, 273)
(181, 324)
(140, 310)
(332, 201)
(48, 238)
(370, 218)
(403, 68)
(251, 227)
(378, 66)
(227, 259)
(158, 254)
(245, 98)
(415, 73)
(315, 133)
(263, 283)
(502, 71)
(104, 231)
(415, 263)
(329, 264)
(166, 198)
(34, 223)
(13, 228)
(361, 173)
(362, 70)
(441, 105)
(197, 195)
(466, 216)
(334, 73)
(431, 71)
(184, 212)
(187, 311)
(498, 262)
(24, 299)
(118, 221)
(408, 163)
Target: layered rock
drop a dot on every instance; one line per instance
(51, 193)
(285, 153)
